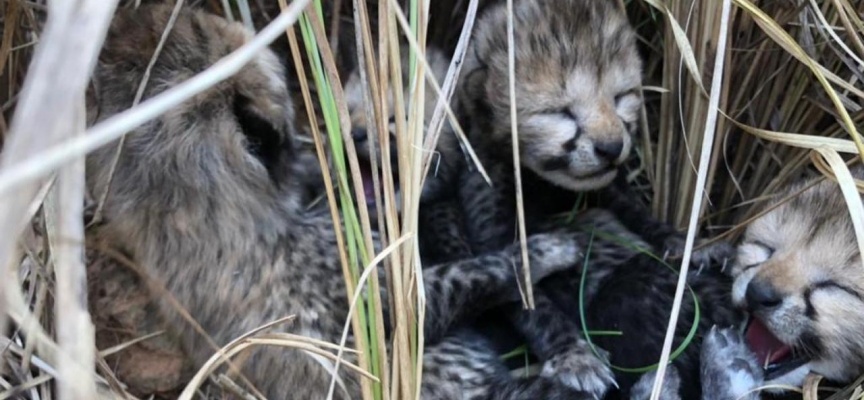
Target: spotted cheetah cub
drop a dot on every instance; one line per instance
(577, 75)
(205, 200)
(448, 160)
(443, 237)
(799, 274)
(577, 83)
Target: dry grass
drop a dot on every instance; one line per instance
(789, 104)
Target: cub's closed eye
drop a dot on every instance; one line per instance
(622, 95)
(767, 250)
(831, 285)
(564, 112)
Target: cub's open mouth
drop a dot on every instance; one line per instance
(776, 357)
(368, 184)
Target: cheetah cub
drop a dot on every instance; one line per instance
(799, 275)
(205, 200)
(448, 160)
(443, 236)
(577, 78)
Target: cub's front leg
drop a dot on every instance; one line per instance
(468, 287)
(556, 339)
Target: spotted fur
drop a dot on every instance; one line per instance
(205, 198)
(577, 75)
(798, 271)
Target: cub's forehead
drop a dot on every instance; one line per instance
(814, 228)
(566, 31)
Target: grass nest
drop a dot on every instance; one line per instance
(791, 67)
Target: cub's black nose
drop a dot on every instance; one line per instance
(609, 150)
(762, 295)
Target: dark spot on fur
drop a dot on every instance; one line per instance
(457, 286)
(809, 311)
(570, 145)
(810, 344)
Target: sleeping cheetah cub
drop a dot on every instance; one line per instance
(577, 76)
(205, 199)
(577, 80)
(799, 275)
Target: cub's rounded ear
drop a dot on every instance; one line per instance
(473, 81)
(264, 140)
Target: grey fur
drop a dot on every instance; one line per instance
(573, 61)
(729, 369)
(645, 385)
(206, 200)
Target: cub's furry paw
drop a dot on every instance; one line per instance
(641, 390)
(578, 367)
(729, 369)
(717, 254)
(549, 253)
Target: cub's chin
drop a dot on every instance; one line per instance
(579, 183)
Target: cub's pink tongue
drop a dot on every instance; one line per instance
(765, 345)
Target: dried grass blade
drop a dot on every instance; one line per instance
(851, 16)
(686, 49)
(798, 140)
(9, 26)
(378, 129)
(436, 123)
(373, 265)
(528, 295)
(226, 7)
(43, 365)
(230, 386)
(827, 28)
(123, 346)
(400, 16)
(245, 14)
(65, 227)
(811, 387)
(704, 160)
(781, 37)
(49, 100)
(358, 239)
(18, 390)
(850, 192)
(238, 346)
